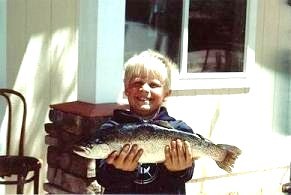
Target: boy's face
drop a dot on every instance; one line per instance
(145, 95)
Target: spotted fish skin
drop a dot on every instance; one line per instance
(153, 138)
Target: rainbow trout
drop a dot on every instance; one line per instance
(153, 138)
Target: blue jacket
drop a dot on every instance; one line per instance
(148, 178)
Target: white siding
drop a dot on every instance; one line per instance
(42, 57)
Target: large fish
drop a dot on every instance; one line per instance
(153, 138)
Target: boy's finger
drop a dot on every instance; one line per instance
(132, 153)
(111, 157)
(174, 153)
(138, 155)
(168, 158)
(188, 154)
(180, 149)
(123, 153)
(167, 153)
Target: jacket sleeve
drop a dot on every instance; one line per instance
(185, 175)
(178, 177)
(181, 125)
(108, 176)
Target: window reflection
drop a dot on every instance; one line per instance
(216, 35)
(154, 24)
(216, 32)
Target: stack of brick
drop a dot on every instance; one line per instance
(71, 124)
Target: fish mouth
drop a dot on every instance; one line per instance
(81, 150)
(92, 151)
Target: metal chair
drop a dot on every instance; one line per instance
(15, 168)
(286, 188)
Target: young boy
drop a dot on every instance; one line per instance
(147, 85)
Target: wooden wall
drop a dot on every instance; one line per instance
(258, 120)
(42, 60)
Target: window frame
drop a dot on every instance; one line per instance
(183, 80)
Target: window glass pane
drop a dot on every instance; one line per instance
(216, 35)
(153, 24)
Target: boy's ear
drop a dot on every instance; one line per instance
(125, 91)
(167, 94)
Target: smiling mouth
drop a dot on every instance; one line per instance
(145, 100)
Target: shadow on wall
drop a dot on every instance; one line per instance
(40, 85)
(41, 64)
(282, 96)
(2, 124)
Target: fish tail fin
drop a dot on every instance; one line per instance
(232, 152)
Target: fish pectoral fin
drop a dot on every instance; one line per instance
(232, 153)
(196, 155)
(196, 158)
(92, 151)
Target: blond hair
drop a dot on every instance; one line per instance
(149, 62)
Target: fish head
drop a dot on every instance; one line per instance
(95, 151)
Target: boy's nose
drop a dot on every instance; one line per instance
(146, 87)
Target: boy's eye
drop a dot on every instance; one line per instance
(137, 83)
(155, 85)
(140, 83)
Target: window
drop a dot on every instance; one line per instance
(201, 36)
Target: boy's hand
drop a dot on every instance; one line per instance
(178, 156)
(126, 159)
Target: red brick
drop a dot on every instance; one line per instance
(72, 183)
(88, 109)
(71, 163)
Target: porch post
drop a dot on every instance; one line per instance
(101, 45)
